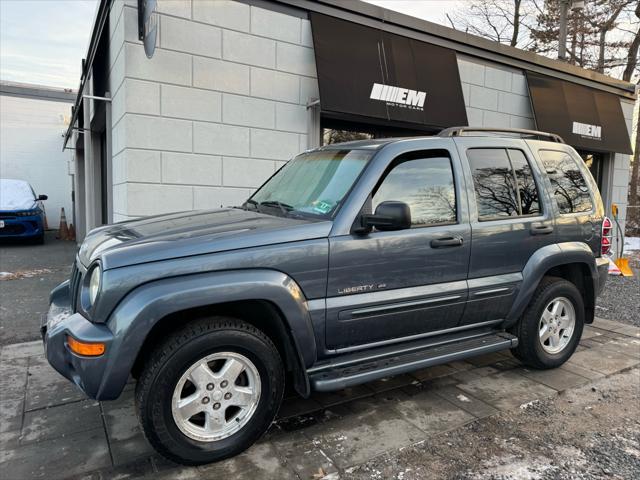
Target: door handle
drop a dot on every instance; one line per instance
(446, 242)
(541, 229)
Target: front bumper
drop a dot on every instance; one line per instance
(88, 373)
(21, 227)
(602, 266)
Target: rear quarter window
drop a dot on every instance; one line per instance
(568, 185)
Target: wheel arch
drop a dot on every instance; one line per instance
(262, 314)
(573, 261)
(165, 303)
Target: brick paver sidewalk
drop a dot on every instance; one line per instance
(48, 429)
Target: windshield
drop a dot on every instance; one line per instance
(16, 195)
(312, 183)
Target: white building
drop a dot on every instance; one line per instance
(236, 88)
(33, 120)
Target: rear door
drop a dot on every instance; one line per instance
(391, 285)
(510, 219)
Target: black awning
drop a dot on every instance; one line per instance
(586, 118)
(367, 73)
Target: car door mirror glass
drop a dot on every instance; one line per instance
(43, 197)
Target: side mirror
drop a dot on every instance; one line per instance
(387, 217)
(43, 197)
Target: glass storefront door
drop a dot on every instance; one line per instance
(595, 164)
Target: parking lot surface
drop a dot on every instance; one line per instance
(27, 274)
(50, 430)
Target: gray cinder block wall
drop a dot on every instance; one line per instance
(219, 107)
(495, 95)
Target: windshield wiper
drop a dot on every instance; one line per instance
(284, 208)
(250, 202)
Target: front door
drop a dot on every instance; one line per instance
(390, 285)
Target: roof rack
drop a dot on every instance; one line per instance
(522, 132)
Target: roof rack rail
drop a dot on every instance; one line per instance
(522, 132)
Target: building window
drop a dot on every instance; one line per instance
(503, 183)
(426, 185)
(569, 185)
(332, 135)
(595, 163)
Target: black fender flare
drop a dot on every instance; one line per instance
(544, 260)
(138, 313)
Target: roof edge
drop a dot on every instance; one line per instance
(29, 90)
(467, 43)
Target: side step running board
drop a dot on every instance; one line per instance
(337, 378)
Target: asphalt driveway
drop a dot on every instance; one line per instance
(27, 274)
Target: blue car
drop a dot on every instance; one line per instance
(21, 211)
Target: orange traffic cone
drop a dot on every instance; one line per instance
(72, 232)
(63, 233)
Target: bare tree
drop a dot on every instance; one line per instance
(632, 55)
(633, 213)
(596, 37)
(497, 20)
(604, 36)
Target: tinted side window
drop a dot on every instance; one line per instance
(569, 187)
(527, 190)
(426, 185)
(494, 183)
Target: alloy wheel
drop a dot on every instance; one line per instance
(216, 396)
(557, 325)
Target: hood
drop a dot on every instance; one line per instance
(16, 195)
(192, 233)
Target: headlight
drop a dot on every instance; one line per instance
(28, 213)
(94, 284)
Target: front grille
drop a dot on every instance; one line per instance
(13, 229)
(74, 286)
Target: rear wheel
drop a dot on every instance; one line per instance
(550, 328)
(209, 391)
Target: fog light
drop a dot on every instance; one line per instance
(85, 349)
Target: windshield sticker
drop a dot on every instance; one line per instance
(323, 207)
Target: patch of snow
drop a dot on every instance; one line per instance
(631, 243)
(524, 406)
(16, 195)
(331, 476)
(510, 466)
(24, 273)
(463, 398)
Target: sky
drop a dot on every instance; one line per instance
(43, 41)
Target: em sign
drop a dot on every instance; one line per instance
(398, 96)
(586, 130)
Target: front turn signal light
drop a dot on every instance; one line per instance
(84, 348)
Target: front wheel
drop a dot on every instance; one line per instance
(551, 326)
(209, 391)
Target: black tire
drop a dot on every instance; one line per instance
(171, 359)
(530, 350)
